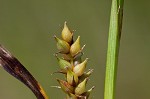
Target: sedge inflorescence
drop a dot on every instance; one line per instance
(71, 65)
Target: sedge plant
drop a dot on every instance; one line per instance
(72, 66)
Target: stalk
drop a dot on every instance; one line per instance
(113, 48)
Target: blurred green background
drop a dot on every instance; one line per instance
(27, 28)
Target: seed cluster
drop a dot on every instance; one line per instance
(72, 65)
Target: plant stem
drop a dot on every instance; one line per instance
(113, 48)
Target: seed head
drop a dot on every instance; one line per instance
(66, 87)
(79, 69)
(63, 64)
(62, 45)
(81, 87)
(66, 34)
(75, 47)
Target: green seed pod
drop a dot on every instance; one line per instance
(65, 86)
(62, 45)
(79, 69)
(72, 78)
(75, 47)
(64, 65)
(66, 34)
(81, 87)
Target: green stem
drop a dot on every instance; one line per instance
(113, 48)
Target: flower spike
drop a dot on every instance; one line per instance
(72, 66)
